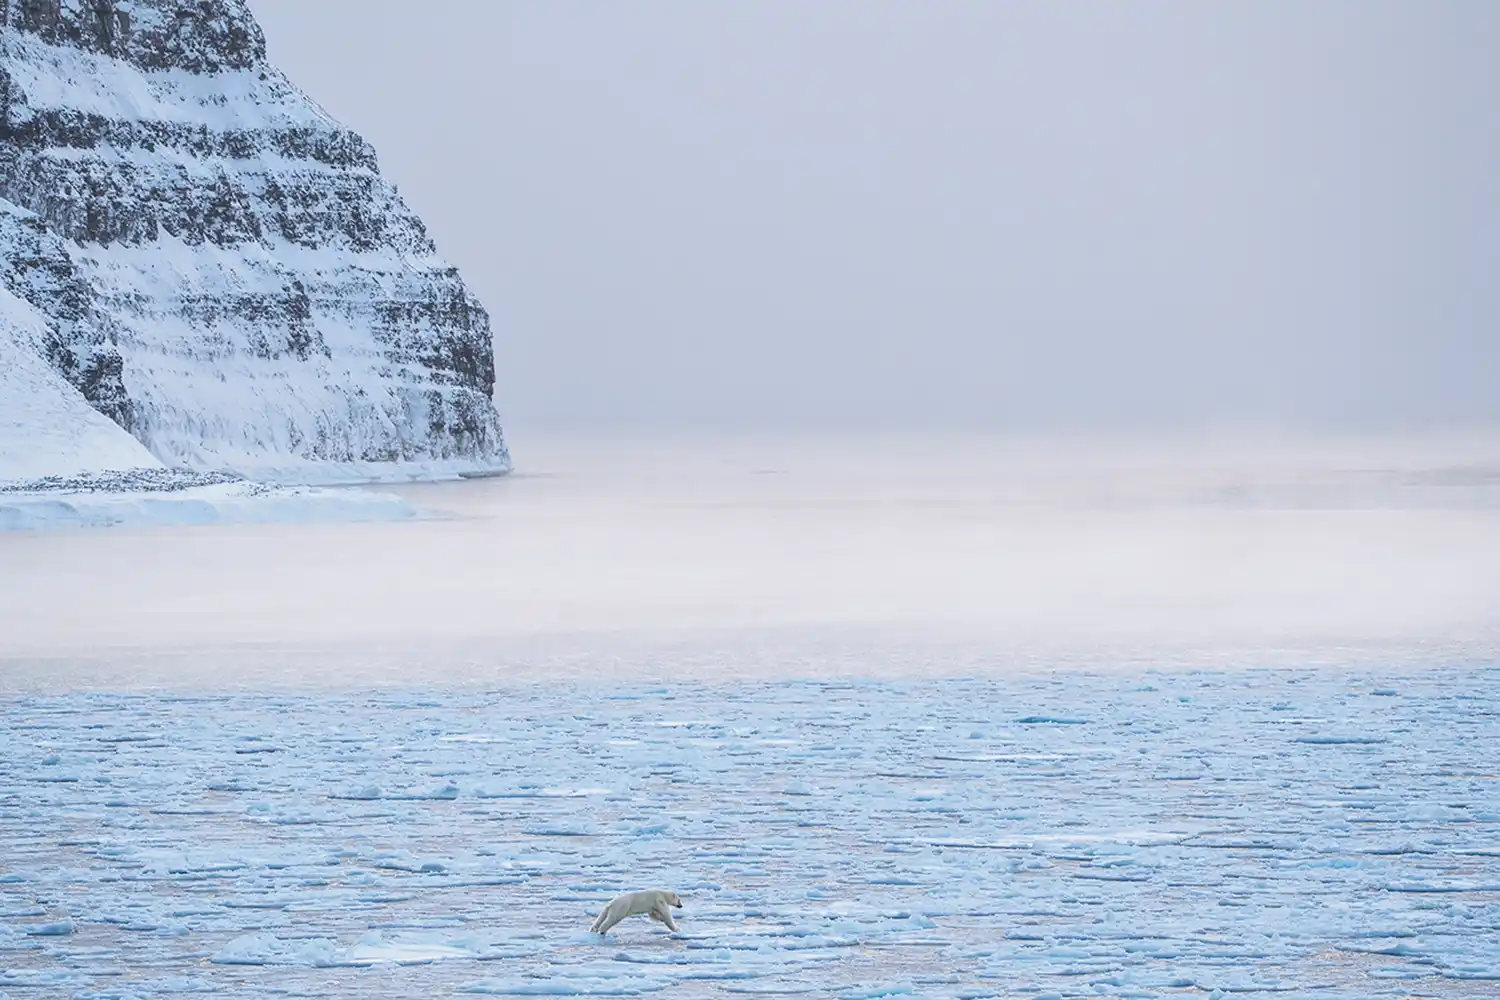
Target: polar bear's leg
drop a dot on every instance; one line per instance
(663, 915)
(607, 919)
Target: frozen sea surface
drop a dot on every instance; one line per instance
(1323, 834)
(893, 715)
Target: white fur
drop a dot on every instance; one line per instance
(657, 903)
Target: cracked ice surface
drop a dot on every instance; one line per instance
(1324, 834)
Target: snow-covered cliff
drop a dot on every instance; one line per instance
(218, 266)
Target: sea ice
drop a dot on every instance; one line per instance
(1251, 840)
(58, 928)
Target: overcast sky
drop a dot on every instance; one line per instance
(855, 212)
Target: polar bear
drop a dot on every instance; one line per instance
(655, 902)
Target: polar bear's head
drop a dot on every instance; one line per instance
(672, 899)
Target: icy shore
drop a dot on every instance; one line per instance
(87, 502)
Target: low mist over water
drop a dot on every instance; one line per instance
(805, 555)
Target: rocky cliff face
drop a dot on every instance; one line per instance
(222, 268)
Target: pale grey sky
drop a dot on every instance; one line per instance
(856, 212)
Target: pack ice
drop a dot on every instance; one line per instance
(1319, 834)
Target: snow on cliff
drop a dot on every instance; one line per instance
(215, 265)
(47, 428)
(65, 465)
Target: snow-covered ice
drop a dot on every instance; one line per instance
(234, 502)
(1313, 833)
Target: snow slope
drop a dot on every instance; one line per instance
(47, 428)
(221, 266)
